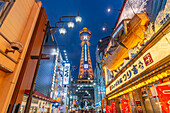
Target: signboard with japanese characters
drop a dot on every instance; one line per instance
(164, 97)
(66, 74)
(114, 109)
(125, 106)
(156, 53)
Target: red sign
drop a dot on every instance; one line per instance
(164, 97)
(108, 109)
(110, 88)
(148, 59)
(125, 106)
(114, 110)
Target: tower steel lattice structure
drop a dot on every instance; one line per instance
(85, 69)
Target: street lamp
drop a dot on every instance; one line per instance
(104, 28)
(109, 9)
(78, 19)
(62, 31)
(70, 25)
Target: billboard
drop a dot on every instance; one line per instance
(66, 74)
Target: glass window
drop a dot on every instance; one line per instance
(5, 6)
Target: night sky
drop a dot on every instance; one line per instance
(94, 16)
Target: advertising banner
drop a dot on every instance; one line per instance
(108, 109)
(66, 74)
(125, 106)
(148, 59)
(164, 97)
(114, 110)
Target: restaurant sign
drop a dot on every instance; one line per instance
(156, 53)
(66, 74)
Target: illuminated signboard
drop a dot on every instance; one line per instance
(85, 37)
(148, 59)
(66, 74)
(85, 52)
(85, 66)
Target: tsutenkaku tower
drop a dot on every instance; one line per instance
(85, 69)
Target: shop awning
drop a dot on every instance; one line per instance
(41, 96)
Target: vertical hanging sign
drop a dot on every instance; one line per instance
(125, 106)
(66, 74)
(114, 110)
(164, 97)
(108, 109)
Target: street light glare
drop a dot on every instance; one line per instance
(103, 28)
(62, 31)
(108, 9)
(78, 19)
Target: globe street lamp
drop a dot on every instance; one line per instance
(78, 19)
(70, 25)
(62, 22)
(62, 31)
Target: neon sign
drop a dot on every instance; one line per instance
(85, 52)
(66, 74)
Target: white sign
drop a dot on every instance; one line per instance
(85, 37)
(66, 74)
(159, 51)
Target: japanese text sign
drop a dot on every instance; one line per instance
(66, 74)
(156, 53)
(125, 106)
(164, 97)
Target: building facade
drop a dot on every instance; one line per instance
(138, 53)
(41, 101)
(17, 26)
(99, 80)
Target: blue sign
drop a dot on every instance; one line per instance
(98, 104)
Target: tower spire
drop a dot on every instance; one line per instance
(85, 69)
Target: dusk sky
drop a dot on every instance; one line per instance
(94, 16)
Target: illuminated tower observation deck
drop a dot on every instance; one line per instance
(85, 69)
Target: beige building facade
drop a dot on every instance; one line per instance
(17, 26)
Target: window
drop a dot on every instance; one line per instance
(5, 6)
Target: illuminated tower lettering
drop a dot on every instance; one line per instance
(85, 69)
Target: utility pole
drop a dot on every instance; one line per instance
(28, 103)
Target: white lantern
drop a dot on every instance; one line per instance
(78, 19)
(62, 31)
(70, 25)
